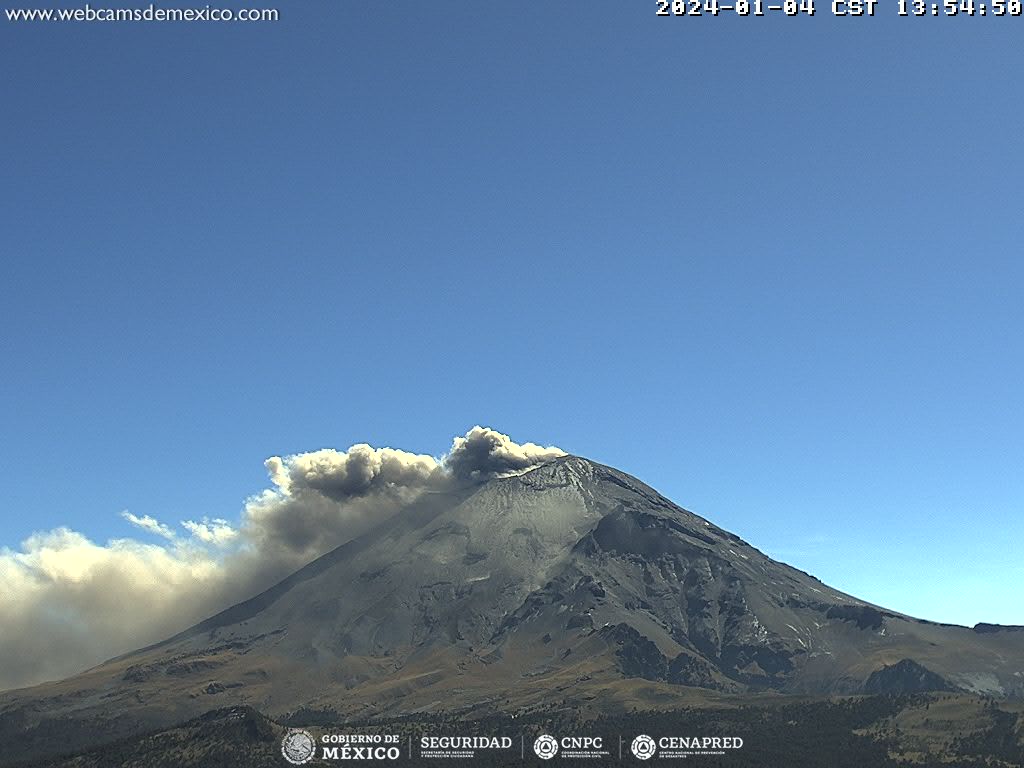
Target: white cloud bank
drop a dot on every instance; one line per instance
(149, 524)
(69, 603)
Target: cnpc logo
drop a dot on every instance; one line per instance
(546, 746)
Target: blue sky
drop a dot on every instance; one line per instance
(771, 266)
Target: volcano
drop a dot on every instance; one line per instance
(572, 582)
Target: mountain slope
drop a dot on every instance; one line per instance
(572, 581)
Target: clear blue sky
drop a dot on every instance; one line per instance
(771, 266)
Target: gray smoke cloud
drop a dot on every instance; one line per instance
(324, 498)
(69, 603)
(362, 469)
(485, 453)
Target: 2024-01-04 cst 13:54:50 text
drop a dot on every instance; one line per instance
(679, 8)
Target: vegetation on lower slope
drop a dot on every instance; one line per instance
(919, 731)
(237, 737)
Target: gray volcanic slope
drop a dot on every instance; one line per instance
(572, 582)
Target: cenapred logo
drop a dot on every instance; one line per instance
(545, 746)
(298, 747)
(643, 747)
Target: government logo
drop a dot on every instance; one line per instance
(298, 747)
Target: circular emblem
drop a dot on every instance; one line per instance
(643, 747)
(545, 746)
(298, 747)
